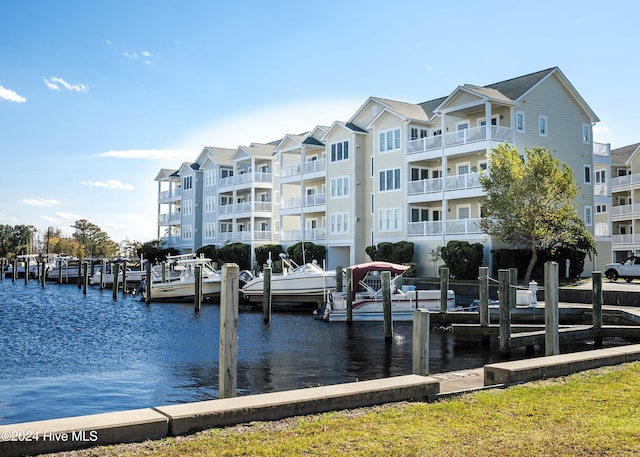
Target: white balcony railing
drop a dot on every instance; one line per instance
(627, 180)
(600, 149)
(172, 194)
(465, 136)
(312, 166)
(453, 227)
(457, 182)
(626, 240)
(309, 200)
(625, 210)
(245, 178)
(167, 218)
(305, 235)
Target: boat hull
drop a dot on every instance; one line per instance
(403, 306)
(172, 291)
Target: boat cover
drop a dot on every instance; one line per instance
(358, 272)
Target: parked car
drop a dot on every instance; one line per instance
(629, 269)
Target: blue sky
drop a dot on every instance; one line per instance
(97, 96)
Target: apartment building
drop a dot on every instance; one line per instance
(625, 212)
(399, 171)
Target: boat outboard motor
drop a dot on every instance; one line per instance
(244, 277)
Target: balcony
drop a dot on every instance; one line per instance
(315, 234)
(451, 183)
(629, 241)
(170, 195)
(453, 227)
(242, 236)
(312, 166)
(466, 136)
(620, 182)
(244, 179)
(622, 212)
(168, 218)
(307, 201)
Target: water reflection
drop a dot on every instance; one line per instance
(66, 354)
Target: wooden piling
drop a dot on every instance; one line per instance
(228, 357)
(421, 326)
(349, 296)
(2, 261)
(505, 311)
(266, 294)
(444, 288)
(551, 312)
(43, 274)
(197, 295)
(124, 278)
(483, 287)
(115, 268)
(513, 287)
(164, 271)
(26, 270)
(385, 277)
(339, 275)
(85, 278)
(148, 284)
(596, 298)
(14, 273)
(59, 270)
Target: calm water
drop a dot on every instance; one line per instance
(66, 354)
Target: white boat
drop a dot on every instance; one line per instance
(179, 284)
(133, 276)
(30, 259)
(63, 267)
(298, 287)
(367, 304)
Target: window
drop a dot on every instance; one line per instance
(419, 215)
(225, 200)
(187, 182)
(209, 204)
(435, 214)
(209, 177)
(418, 174)
(389, 140)
(542, 125)
(187, 207)
(463, 169)
(587, 174)
(339, 223)
(417, 133)
(601, 209)
(389, 220)
(187, 232)
(464, 212)
(226, 227)
(519, 122)
(340, 187)
(586, 136)
(389, 180)
(226, 173)
(588, 216)
(600, 177)
(340, 151)
(210, 230)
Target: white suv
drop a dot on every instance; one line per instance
(629, 269)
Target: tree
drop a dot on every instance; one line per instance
(532, 201)
(93, 240)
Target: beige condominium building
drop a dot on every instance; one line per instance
(625, 212)
(393, 171)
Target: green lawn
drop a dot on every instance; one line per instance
(591, 413)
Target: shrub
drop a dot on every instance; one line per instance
(311, 252)
(463, 259)
(400, 252)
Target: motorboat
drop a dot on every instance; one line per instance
(298, 287)
(134, 276)
(179, 280)
(31, 262)
(62, 267)
(367, 299)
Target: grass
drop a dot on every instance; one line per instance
(591, 413)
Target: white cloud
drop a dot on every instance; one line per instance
(70, 216)
(11, 96)
(110, 184)
(56, 83)
(176, 155)
(39, 202)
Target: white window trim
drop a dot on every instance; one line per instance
(546, 125)
(399, 183)
(341, 180)
(464, 206)
(397, 221)
(586, 139)
(522, 130)
(587, 167)
(398, 140)
(463, 164)
(339, 223)
(588, 215)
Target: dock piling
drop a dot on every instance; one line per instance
(266, 294)
(483, 286)
(385, 277)
(444, 288)
(551, 313)
(228, 357)
(197, 296)
(339, 277)
(349, 294)
(421, 326)
(505, 310)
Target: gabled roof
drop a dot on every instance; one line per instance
(165, 173)
(187, 167)
(215, 155)
(623, 155)
(515, 88)
(254, 150)
(404, 109)
(343, 125)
